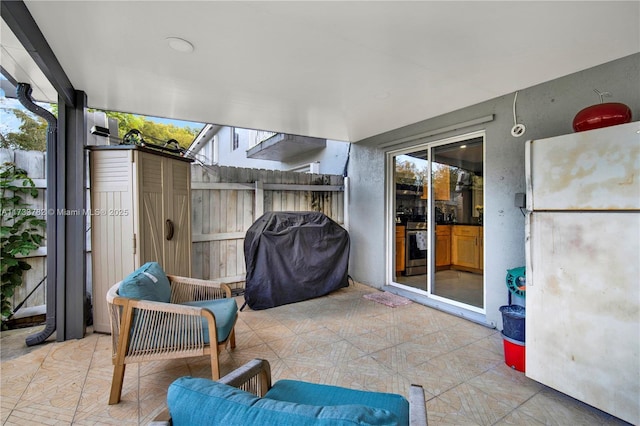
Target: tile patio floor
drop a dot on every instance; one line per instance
(341, 339)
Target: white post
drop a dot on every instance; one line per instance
(346, 203)
(259, 200)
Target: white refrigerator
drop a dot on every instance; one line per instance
(582, 267)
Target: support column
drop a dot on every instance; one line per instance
(71, 220)
(66, 174)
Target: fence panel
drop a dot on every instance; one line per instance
(227, 200)
(34, 164)
(225, 203)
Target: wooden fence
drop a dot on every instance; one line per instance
(225, 202)
(34, 163)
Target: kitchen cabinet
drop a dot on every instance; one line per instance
(443, 247)
(140, 212)
(400, 249)
(467, 248)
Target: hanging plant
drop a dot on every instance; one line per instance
(21, 231)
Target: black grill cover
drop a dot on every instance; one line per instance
(294, 256)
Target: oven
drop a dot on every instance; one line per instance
(416, 248)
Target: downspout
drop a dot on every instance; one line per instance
(24, 96)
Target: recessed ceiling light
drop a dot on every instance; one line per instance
(180, 44)
(463, 146)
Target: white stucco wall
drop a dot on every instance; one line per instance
(332, 158)
(546, 110)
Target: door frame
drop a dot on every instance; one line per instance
(426, 297)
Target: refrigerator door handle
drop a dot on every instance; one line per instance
(528, 154)
(528, 250)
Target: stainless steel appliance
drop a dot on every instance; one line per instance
(416, 248)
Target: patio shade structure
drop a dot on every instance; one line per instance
(345, 71)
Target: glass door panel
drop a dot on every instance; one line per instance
(438, 206)
(411, 238)
(457, 185)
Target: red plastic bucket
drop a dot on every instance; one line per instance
(514, 351)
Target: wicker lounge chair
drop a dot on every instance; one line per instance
(145, 330)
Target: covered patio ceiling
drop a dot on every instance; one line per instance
(336, 70)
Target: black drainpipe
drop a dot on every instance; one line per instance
(24, 96)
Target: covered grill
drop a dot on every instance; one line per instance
(294, 256)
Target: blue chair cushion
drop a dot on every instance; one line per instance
(225, 311)
(194, 401)
(313, 393)
(149, 282)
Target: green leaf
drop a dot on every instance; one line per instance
(9, 261)
(21, 232)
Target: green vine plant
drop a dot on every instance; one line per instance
(22, 231)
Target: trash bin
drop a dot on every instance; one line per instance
(513, 317)
(513, 321)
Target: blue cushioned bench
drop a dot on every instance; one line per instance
(247, 397)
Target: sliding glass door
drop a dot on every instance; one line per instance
(437, 197)
(412, 254)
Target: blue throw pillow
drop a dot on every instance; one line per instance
(149, 282)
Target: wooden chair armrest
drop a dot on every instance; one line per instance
(417, 406)
(254, 377)
(185, 289)
(196, 281)
(170, 308)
